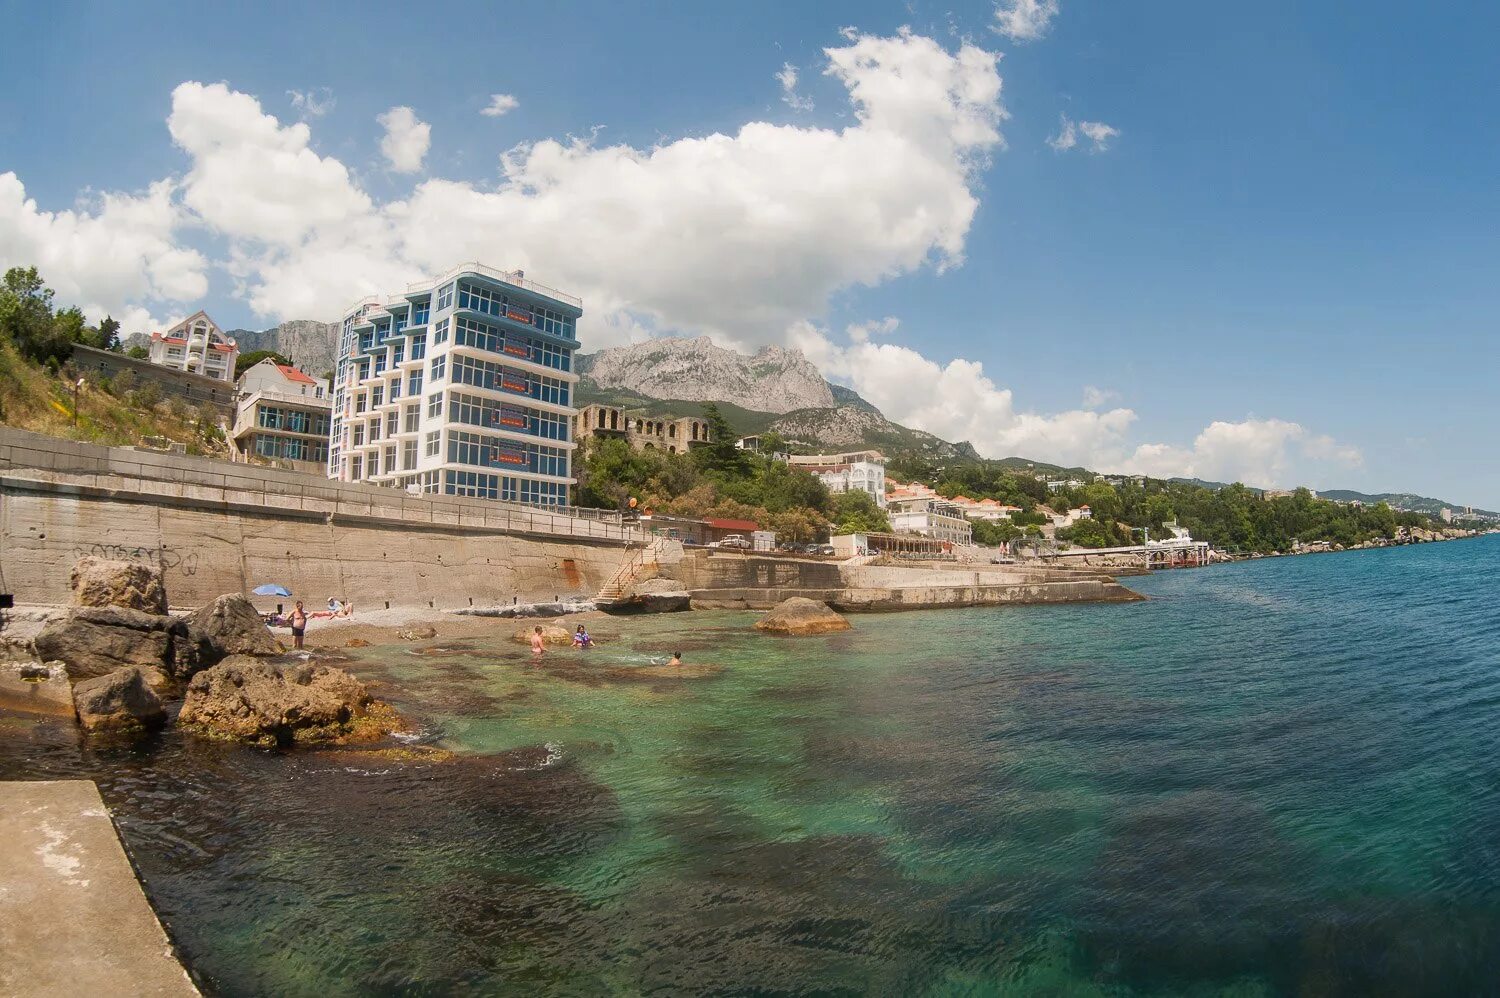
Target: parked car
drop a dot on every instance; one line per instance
(826, 549)
(737, 541)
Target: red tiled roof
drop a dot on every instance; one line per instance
(292, 374)
(733, 524)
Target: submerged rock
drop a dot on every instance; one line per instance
(245, 699)
(230, 625)
(551, 635)
(800, 615)
(416, 633)
(120, 702)
(102, 582)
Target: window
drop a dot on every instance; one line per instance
(419, 311)
(359, 402)
(414, 383)
(392, 423)
(432, 443)
(550, 390)
(470, 483)
(445, 298)
(469, 448)
(434, 405)
(440, 332)
(419, 346)
(390, 460)
(395, 389)
(479, 335)
(548, 461)
(377, 396)
(437, 368)
(374, 464)
(398, 352)
(552, 322)
(549, 425)
(359, 434)
(356, 468)
(544, 493)
(380, 364)
(408, 455)
(554, 356)
(413, 418)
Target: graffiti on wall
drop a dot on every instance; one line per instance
(164, 557)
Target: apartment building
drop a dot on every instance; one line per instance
(282, 417)
(936, 518)
(196, 345)
(857, 471)
(460, 385)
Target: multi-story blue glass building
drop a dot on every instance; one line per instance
(460, 386)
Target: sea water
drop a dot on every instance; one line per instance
(1273, 777)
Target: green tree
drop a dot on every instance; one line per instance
(138, 353)
(720, 456)
(245, 361)
(106, 336)
(27, 320)
(856, 512)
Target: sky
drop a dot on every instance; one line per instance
(1231, 242)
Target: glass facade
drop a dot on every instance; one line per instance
(505, 433)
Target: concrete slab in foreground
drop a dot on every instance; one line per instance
(73, 918)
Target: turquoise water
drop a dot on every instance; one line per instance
(1274, 777)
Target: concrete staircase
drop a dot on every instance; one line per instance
(617, 589)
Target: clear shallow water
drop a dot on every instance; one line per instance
(1275, 777)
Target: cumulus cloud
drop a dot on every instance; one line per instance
(500, 104)
(787, 77)
(111, 254)
(1094, 397)
(957, 400)
(312, 103)
(1024, 20)
(735, 234)
(1259, 452)
(406, 141)
(1097, 132)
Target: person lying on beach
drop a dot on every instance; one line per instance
(581, 638)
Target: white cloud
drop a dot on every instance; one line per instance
(787, 77)
(1024, 20)
(500, 104)
(312, 103)
(110, 255)
(1094, 397)
(1097, 132)
(1260, 452)
(407, 139)
(958, 401)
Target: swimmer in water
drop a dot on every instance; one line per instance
(536, 643)
(676, 658)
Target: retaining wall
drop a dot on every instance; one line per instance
(215, 528)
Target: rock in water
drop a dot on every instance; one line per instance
(95, 641)
(551, 635)
(416, 633)
(101, 582)
(800, 615)
(245, 699)
(120, 702)
(660, 596)
(230, 626)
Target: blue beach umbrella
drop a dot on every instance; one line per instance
(271, 589)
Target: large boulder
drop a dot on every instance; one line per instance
(249, 700)
(95, 641)
(800, 615)
(660, 596)
(229, 625)
(101, 582)
(552, 634)
(121, 702)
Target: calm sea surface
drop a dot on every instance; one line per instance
(1275, 777)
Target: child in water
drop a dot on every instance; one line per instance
(581, 638)
(536, 643)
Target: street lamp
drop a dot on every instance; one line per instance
(77, 387)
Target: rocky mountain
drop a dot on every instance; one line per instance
(311, 345)
(774, 390)
(773, 380)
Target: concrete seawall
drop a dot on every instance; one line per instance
(73, 918)
(215, 528)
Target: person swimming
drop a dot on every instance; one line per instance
(676, 658)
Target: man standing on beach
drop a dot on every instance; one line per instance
(298, 620)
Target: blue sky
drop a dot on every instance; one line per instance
(1280, 268)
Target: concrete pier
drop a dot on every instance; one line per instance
(73, 918)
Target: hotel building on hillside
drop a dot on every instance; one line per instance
(671, 434)
(197, 345)
(282, 416)
(859, 471)
(937, 518)
(462, 385)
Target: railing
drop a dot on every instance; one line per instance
(508, 277)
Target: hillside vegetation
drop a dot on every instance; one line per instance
(38, 384)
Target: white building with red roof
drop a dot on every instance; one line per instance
(198, 345)
(282, 418)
